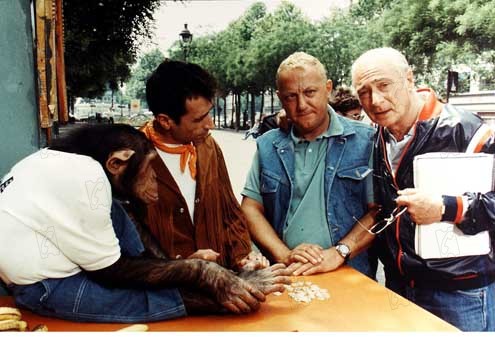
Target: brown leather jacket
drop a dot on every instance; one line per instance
(219, 223)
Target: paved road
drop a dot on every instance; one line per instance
(238, 155)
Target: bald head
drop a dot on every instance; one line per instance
(301, 60)
(384, 56)
(385, 86)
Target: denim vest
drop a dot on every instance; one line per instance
(346, 166)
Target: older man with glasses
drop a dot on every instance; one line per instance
(458, 288)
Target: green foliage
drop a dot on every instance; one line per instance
(478, 22)
(101, 41)
(136, 87)
(277, 36)
(366, 10)
(435, 35)
(337, 41)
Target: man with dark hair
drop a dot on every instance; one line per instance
(70, 251)
(346, 103)
(198, 214)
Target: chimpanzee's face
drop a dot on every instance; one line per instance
(145, 187)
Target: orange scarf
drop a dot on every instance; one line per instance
(187, 151)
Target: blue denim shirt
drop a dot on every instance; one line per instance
(346, 167)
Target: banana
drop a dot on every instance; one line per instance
(8, 313)
(12, 324)
(135, 328)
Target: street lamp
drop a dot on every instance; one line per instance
(185, 39)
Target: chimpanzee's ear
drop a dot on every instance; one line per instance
(164, 120)
(117, 161)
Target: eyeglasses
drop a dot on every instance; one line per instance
(380, 226)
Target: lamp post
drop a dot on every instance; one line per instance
(185, 40)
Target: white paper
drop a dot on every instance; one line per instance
(451, 174)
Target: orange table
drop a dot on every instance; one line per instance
(356, 304)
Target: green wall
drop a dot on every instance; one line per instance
(19, 135)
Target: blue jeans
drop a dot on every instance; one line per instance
(78, 298)
(468, 310)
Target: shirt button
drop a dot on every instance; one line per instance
(310, 150)
(181, 210)
(196, 201)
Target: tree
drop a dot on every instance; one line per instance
(101, 41)
(277, 36)
(366, 10)
(136, 86)
(435, 35)
(338, 40)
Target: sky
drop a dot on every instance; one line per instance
(210, 16)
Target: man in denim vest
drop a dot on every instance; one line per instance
(307, 188)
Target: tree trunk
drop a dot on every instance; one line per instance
(71, 104)
(245, 112)
(238, 113)
(225, 112)
(262, 108)
(214, 112)
(253, 108)
(233, 111)
(271, 94)
(217, 123)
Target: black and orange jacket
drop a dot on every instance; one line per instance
(439, 128)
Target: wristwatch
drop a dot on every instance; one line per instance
(343, 250)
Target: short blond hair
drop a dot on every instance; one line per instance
(301, 60)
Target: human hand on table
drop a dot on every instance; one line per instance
(253, 261)
(305, 253)
(331, 261)
(205, 254)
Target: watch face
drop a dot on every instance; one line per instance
(343, 250)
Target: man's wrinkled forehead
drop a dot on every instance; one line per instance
(301, 61)
(300, 75)
(371, 67)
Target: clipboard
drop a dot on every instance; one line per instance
(451, 173)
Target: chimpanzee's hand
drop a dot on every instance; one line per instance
(268, 280)
(232, 292)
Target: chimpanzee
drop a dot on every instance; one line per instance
(71, 250)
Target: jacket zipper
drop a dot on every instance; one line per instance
(397, 222)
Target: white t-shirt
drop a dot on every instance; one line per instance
(186, 184)
(55, 218)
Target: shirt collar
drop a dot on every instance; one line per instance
(389, 138)
(335, 128)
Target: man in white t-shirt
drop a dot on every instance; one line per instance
(71, 251)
